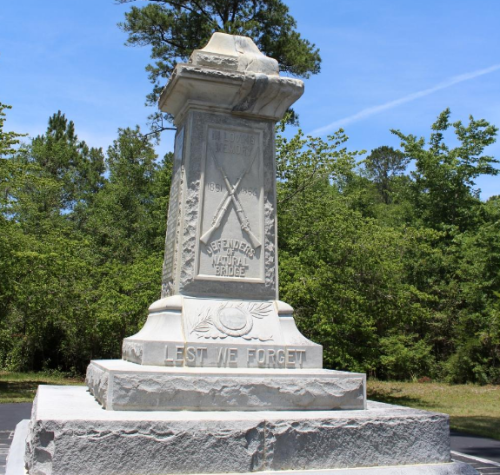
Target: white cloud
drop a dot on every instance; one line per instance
(403, 100)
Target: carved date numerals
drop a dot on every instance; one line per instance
(214, 187)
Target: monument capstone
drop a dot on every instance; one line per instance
(219, 379)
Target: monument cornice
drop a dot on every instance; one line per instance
(248, 94)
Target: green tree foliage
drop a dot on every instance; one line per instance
(129, 215)
(395, 286)
(77, 266)
(343, 272)
(174, 28)
(8, 140)
(475, 286)
(11, 240)
(458, 277)
(383, 166)
(442, 188)
(71, 162)
(54, 178)
(8, 143)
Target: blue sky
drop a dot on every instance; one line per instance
(386, 64)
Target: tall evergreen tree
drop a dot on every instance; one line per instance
(122, 221)
(8, 140)
(62, 156)
(382, 166)
(174, 28)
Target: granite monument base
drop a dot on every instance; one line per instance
(15, 464)
(70, 434)
(123, 386)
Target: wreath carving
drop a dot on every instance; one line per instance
(231, 319)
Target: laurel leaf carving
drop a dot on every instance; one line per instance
(260, 310)
(205, 323)
(203, 327)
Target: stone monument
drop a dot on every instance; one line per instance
(219, 379)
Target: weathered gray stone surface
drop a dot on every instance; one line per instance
(15, 457)
(219, 338)
(71, 434)
(220, 266)
(453, 468)
(15, 464)
(214, 255)
(251, 82)
(221, 236)
(123, 386)
(215, 333)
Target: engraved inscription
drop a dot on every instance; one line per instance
(214, 187)
(227, 356)
(233, 142)
(217, 188)
(232, 220)
(230, 257)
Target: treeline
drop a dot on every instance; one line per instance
(81, 245)
(392, 264)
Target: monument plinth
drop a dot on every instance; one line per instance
(219, 379)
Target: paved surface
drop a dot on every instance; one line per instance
(483, 454)
(10, 415)
(5, 440)
(475, 446)
(483, 466)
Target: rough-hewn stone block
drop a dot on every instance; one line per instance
(124, 386)
(72, 435)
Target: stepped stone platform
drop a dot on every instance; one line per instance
(123, 386)
(72, 434)
(15, 464)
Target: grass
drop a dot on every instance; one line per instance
(473, 409)
(21, 387)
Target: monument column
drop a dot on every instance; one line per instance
(220, 277)
(221, 238)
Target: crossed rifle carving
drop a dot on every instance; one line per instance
(228, 198)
